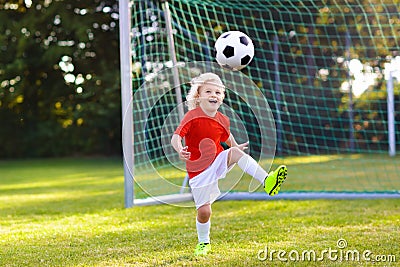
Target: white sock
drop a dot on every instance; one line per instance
(251, 167)
(203, 231)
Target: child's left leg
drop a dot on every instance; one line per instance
(247, 164)
(251, 167)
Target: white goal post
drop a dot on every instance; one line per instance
(126, 98)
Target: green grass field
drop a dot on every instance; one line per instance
(69, 212)
(332, 173)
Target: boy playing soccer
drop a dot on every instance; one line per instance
(204, 128)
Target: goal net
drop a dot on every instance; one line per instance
(320, 94)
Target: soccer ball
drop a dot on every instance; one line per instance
(235, 50)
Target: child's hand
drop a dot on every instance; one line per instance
(184, 154)
(243, 146)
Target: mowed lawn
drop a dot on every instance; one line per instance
(70, 212)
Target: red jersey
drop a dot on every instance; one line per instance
(203, 136)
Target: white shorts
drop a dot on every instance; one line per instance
(205, 185)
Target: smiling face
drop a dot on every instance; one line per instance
(210, 98)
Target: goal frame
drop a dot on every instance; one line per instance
(128, 130)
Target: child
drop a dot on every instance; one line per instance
(203, 128)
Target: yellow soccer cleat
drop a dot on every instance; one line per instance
(274, 180)
(202, 249)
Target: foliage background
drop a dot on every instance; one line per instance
(44, 112)
(60, 80)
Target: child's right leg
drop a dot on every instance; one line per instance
(203, 225)
(204, 213)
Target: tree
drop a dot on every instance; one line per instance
(59, 74)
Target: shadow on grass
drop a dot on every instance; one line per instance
(55, 186)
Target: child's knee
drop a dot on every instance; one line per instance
(204, 213)
(235, 154)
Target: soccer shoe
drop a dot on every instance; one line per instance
(202, 249)
(274, 180)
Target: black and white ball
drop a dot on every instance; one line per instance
(235, 50)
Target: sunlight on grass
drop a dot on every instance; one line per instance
(313, 159)
(332, 173)
(76, 218)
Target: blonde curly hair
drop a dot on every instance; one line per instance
(196, 83)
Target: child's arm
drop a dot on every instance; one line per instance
(232, 143)
(176, 143)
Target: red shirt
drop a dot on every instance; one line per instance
(203, 136)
